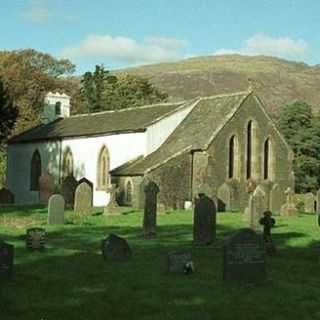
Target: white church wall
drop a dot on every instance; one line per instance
(19, 168)
(158, 132)
(85, 151)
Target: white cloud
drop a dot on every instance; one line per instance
(282, 47)
(126, 50)
(38, 11)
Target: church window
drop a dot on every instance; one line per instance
(231, 156)
(266, 157)
(103, 169)
(58, 108)
(249, 150)
(35, 171)
(67, 165)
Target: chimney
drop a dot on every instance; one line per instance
(56, 106)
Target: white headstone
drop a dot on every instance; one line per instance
(56, 209)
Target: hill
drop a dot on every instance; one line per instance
(276, 81)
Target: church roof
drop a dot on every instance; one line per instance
(107, 122)
(195, 132)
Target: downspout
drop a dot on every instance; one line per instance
(191, 177)
(60, 162)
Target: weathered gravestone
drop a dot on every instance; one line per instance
(115, 248)
(68, 189)
(46, 187)
(6, 196)
(36, 238)
(225, 196)
(113, 206)
(56, 209)
(204, 220)
(275, 199)
(244, 257)
(309, 201)
(289, 208)
(83, 198)
(6, 260)
(151, 191)
(178, 261)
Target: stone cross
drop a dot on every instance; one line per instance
(151, 191)
(204, 220)
(56, 209)
(289, 208)
(112, 206)
(83, 199)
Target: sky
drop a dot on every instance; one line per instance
(124, 33)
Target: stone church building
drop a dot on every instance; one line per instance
(221, 145)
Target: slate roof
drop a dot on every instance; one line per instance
(196, 132)
(108, 122)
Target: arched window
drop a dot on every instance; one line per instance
(128, 192)
(249, 150)
(58, 108)
(67, 164)
(103, 169)
(35, 171)
(231, 157)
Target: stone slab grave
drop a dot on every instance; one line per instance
(6, 260)
(204, 220)
(244, 257)
(177, 261)
(151, 191)
(68, 189)
(309, 200)
(56, 209)
(115, 248)
(6, 196)
(36, 238)
(83, 198)
(46, 187)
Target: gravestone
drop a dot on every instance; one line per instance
(244, 257)
(225, 195)
(309, 200)
(177, 261)
(83, 199)
(268, 222)
(68, 189)
(6, 260)
(6, 196)
(36, 238)
(151, 191)
(115, 248)
(257, 205)
(275, 199)
(289, 208)
(204, 220)
(112, 206)
(46, 187)
(56, 209)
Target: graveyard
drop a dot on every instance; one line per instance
(69, 279)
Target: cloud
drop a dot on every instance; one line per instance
(282, 47)
(38, 11)
(126, 50)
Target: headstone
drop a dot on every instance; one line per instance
(112, 206)
(275, 199)
(289, 208)
(178, 261)
(225, 195)
(6, 260)
(68, 189)
(204, 220)
(244, 257)
(46, 187)
(83, 199)
(309, 200)
(36, 238)
(6, 196)
(187, 205)
(56, 209)
(115, 248)
(257, 205)
(151, 191)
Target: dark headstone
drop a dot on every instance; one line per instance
(46, 187)
(115, 248)
(68, 189)
(204, 220)
(151, 191)
(6, 260)
(179, 261)
(244, 257)
(6, 196)
(36, 238)
(268, 222)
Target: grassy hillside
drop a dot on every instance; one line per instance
(276, 81)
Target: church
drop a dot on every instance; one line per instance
(221, 145)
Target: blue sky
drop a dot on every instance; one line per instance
(125, 33)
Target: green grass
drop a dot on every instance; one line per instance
(70, 280)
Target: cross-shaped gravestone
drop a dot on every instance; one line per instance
(289, 208)
(112, 206)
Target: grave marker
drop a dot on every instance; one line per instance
(56, 209)
(6, 260)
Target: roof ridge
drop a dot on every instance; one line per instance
(132, 108)
(224, 95)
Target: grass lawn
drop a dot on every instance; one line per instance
(70, 280)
